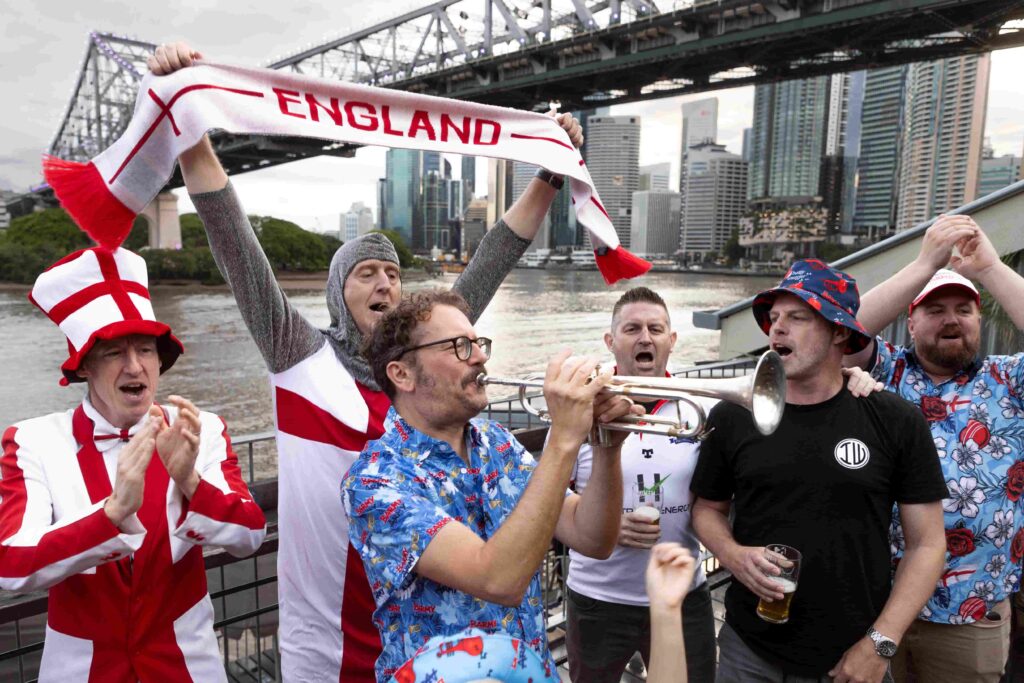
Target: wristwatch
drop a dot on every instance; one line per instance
(555, 181)
(884, 646)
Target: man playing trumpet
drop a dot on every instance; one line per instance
(450, 514)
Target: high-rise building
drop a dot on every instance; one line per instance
(522, 176)
(873, 209)
(499, 189)
(403, 183)
(349, 226)
(654, 177)
(613, 153)
(713, 198)
(746, 154)
(700, 122)
(435, 230)
(382, 193)
(791, 128)
(655, 223)
(997, 173)
(468, 180)
(943, 123)
(356, 222)
(474, 225)
(563, 220)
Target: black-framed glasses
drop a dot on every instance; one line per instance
(462, 345)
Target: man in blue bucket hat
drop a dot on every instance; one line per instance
(824, 483)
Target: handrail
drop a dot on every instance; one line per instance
(14, 609)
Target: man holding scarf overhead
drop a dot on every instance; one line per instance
(327, 404)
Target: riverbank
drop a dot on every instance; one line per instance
(290, 282)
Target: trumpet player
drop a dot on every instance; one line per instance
(823, 485)
(450, 514)
(608, 615)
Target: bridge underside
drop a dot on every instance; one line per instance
(582, 53)
(738, 43)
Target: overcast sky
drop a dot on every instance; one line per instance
(43, 44)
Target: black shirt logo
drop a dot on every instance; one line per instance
(852, 454)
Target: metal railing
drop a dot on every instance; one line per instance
(244, 592)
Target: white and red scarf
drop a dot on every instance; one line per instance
(173, 112)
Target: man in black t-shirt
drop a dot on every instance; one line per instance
(824, 483)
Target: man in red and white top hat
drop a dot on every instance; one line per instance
(109, 505)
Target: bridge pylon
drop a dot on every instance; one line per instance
(164, 224)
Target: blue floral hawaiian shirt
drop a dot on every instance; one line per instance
(975, 419)
(403, 489)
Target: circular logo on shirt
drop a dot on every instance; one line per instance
(852, 454)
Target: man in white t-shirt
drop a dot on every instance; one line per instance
(608, 605)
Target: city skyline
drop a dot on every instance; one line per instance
(46, 41)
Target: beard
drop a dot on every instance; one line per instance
(953, 355)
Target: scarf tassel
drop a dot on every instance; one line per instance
(84, 195)
(617, 264)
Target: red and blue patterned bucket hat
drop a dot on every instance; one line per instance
(830, 292)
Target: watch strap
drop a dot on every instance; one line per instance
(555, 181)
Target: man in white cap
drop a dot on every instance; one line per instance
(973, 405)
(88, 512)
(326, 401)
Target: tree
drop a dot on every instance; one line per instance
(1008, 337)
(50, 227)
(732, 250)
(35, 241)
(138, 238)
(289, 247)
(405, 257)
(193, 234)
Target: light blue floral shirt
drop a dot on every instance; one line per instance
(404, 488)
(975, 419)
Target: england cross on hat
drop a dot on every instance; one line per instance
(830, 292)
(99, 293)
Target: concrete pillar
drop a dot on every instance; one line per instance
(164, 225)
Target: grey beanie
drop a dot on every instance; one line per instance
(345, 336)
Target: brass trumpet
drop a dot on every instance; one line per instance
(763, 393)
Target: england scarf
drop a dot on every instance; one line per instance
(173, 112)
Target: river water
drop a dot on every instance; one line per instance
(535, 313)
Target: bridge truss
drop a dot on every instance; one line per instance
(581, 53)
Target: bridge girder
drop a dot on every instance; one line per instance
(582, 53)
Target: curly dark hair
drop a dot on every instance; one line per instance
(394, 333)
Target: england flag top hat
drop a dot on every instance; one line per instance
(99, 293)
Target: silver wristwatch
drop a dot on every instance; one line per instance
(884, 646)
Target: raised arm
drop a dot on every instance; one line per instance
(282, 335)
(881, 305)
(979, 261)
(508, 240)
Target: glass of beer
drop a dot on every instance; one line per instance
(788, 561)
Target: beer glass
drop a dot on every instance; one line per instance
(788, 561)
(646, 500)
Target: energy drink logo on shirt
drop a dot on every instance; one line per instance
(652, 493)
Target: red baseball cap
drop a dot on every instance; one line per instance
(946, 278)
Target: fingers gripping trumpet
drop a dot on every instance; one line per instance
(762, 392)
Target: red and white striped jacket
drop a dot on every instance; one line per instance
(324, 418)
(125, 604)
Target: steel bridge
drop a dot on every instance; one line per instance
(581, 53)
